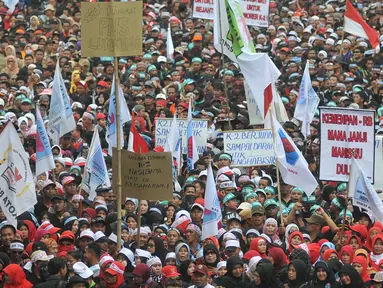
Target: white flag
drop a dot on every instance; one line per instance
(44, 156)
(169, 45)
(212, 211)
(363, 193)
(61, 120)
(17, 187)
(173, 142)
(292, 165)
(111, 133)
(231, 33)
(96, 173)
(307, 102)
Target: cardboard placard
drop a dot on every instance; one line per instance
(249, 147)
(111, 29)
(144, 176)
(163, 126)
(346, 133)
(256, 12)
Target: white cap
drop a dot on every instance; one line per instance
(98, 235)
(170, 255)
(161, 96)
(229, 236)
(154, 260)
(2, 103)
(16, 245)
(82, 270)
(105, 258)
(143, 253)
(202, 173)
(113, 237)
(330, 41)
(128, 253)
(161, 59)
(232, 243)
(87, 233)
(221, 265)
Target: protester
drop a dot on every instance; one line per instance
(271, 230)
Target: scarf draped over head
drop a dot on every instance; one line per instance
(376, 258)
(287, 233)
(348, 250)
(11, 67)
(301, 277)
(275, 236)
(363, 262)
(254, 246)
(369, 239)
(356, 280)
(17, 276)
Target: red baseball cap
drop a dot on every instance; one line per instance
(102, 83)
(201, 269)
(100, 116)
(170, 271)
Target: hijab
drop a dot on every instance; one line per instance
(274, 237)
(230, 264)
(207, 248)
(143, 271)
(292, 235)
(368, 243)
(267, 275)
(11, 69)
(30, 22)
(357, 238)
(300, 279)
(376, 258)
(330, 276)
(254, 246)
(327, 254)
(17, 276)
(363, 262)
(327, 244)
(314, 252)
(356, 280)
(287, 233)
(279, 258)
(178, 248)
(184, 271)
(348, 250)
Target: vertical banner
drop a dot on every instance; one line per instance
(256, 12)
(255, 115)
(346, 133)
(378, 183)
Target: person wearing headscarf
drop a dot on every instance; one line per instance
(325, 246)
(289, 229)
(234, 277)
(323, 277)
(295, 239)
(155, 266)
(211, 257)
(182, 253)
(295, 274)
(270, 228)
(346, 254)
(142, 279)
(355, 242)
(260, 245)
(360, 264)
(14, 277)
(185, 269)
(371, 234)
(350, 278)
(330, 254)
(376, 254)
(11, 66)
(267, 276)
(279, 258)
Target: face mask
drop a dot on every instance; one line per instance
(189, 199)
(141, 75)
(63, 248)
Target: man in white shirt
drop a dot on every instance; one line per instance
(201, 277)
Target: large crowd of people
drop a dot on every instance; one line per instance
(69, 241)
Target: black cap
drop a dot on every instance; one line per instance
(98, 220)
(58, 196)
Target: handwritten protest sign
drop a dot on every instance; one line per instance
(378, 183)
(250, 147)
(111, 29)
(199, 132)
(346, 133)
(145, 176)
(256, 12)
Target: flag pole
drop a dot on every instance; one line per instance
(118, 128)
(223, 55)
(138, 216)
(346, 203)
(277, 168)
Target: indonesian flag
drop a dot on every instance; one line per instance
(355, 24)
(136, 143)
(267, 73)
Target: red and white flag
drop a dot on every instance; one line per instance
(136, 143)
(170, 45)
(355, 24)
(261, 86)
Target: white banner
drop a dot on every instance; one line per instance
(346, 133)
(199, 133)
(17, 188)
(256, 12)
(250, 147)
(255, 114)
(378, 183)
